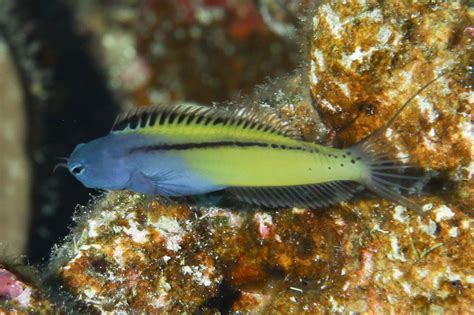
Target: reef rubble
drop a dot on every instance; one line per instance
(125, 255)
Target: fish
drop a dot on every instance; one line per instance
(183, 150)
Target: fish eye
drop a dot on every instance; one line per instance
(78, 169)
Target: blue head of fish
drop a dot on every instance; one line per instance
(99, 164)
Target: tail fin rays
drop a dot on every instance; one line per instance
(383, 172)
(385, 177)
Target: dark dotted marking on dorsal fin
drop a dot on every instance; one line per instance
(153, 118)
(184, 114)
(134, 122)
(200, 119)
(219, 120)
(190, 119)
(120, 125)
(207, 121)
(163, 118)
(171, 117)
(181, 118)
(144, 120)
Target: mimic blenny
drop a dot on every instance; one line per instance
(183, 150)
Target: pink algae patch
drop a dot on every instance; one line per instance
(13, 289)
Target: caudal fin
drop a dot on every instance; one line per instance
(384, 175)
(387, 176)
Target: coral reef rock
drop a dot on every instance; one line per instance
(131, 254)
(19, 296)
(367, 58)
(201, 51)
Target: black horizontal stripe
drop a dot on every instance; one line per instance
(208, 145)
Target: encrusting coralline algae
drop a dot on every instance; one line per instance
(20, 292)
(371, 58)
(171, 257)
(365, 255)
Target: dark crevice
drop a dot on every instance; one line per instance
(67, 102)
(223, 301)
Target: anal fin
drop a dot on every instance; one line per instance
(303, 196)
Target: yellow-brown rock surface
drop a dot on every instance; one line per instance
(129, 255)
(367, 58)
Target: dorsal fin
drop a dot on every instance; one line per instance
(156, 116)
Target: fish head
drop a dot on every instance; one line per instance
(97, 164)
